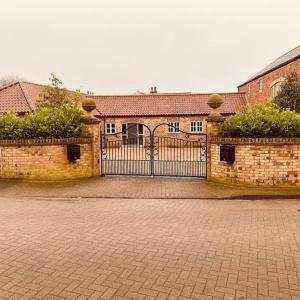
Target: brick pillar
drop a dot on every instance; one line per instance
(91, 128)
(213, 127)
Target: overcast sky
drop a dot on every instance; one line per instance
(121, 46)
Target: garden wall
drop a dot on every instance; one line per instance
(264, 162)
(45, 159)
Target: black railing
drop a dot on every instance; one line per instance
(151, 154)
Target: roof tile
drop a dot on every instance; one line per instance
(165, 104)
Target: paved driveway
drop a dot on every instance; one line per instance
(149, 249)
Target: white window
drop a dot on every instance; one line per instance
(197, 126)
(173, 127)
(110, 128)
(275, 89)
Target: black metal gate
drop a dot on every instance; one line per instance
(139, 151)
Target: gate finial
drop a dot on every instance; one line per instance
(89, 105)
(214, 102)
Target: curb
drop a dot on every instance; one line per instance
(236, 197)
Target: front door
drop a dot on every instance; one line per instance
(132, 133)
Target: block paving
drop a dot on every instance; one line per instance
(149, 249)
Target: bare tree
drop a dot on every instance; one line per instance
(8, 79)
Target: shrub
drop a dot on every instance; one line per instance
(263, 120)
(57, 116)
(45, 122)
(9, 124)
(289, 95)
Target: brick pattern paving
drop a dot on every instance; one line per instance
(149, 249)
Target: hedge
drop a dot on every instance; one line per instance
(263, 120)
(45, 122)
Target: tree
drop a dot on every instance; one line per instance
(289, 95)
(8, 79)
(56, 96)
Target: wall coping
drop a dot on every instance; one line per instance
(254, 141)
(45, 142)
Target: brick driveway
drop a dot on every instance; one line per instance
(149, 249)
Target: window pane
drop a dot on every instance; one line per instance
(124, 129)
(275, 89)
(107, 128)
(141, 129)
(196, 126)
(173, 127)
(110, 128)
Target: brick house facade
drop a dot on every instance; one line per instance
(266, 83)
(185, 111)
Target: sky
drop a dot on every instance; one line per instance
(121, 46)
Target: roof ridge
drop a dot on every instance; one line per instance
(9, 85)
(45, 85)
(167, 94)
(285, 53)
(26, 95)
(34, 83)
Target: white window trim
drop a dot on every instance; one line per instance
(278, 82)
(172, 129)
(109, 129)
(197, 131)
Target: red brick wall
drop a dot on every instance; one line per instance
(252, 90)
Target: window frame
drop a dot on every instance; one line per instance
(198, 126)
(110, 128)
(172, 129)
(275, 88)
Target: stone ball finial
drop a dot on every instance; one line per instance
(215, 101)
(88, 105)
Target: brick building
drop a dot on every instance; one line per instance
(266, 83)
(185, 111)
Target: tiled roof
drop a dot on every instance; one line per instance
(22, 96)
(277, 63)
(165, 104)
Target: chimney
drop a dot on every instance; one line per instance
(153, 90)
